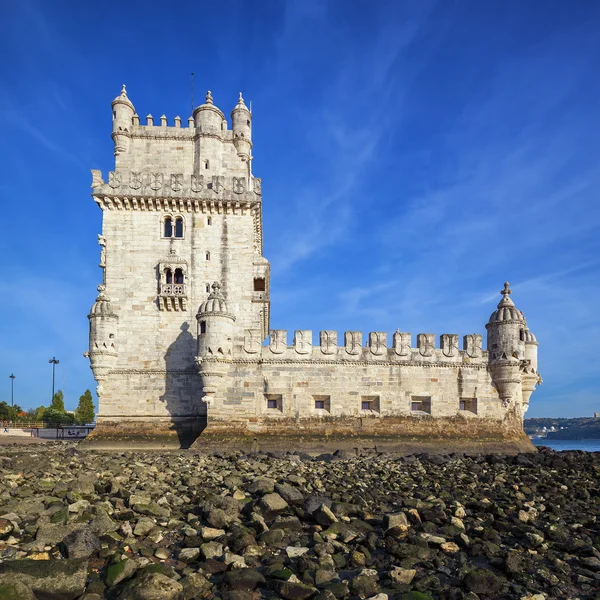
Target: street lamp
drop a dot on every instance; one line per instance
(54, 362)
(12, 389)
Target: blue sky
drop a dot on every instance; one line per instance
(414, 155)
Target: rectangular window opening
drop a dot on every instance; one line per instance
(421, 404)
(259, 284)
(468, 405)
(369, 403)
(322, 403)
(274, 402)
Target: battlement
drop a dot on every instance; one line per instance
(375, 349)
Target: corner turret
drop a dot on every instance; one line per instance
(506, 349)
(215, 341)
(122, 115)
(208, 118)
(103, 334)
(241, 125)
(529, 366)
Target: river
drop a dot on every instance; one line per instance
(587, 445)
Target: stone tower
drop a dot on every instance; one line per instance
(180, 210)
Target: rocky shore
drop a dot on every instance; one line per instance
(236, 526)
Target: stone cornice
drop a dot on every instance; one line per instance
(360, 363)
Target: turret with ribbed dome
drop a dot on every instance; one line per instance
(241, 125)
(103, 334)
(122, 113)
(208, 118)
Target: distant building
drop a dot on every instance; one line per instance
(177, 330)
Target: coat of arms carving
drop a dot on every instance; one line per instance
(239, 185)
(177, 182)
(252, 341)
(218, 183)
(135, 180)
(401, 343)
(353, 342)
(278, 343)
(426, 344)
(257, 185)
(197, 183)
(97, 180)
(449, 344)
(472, 345)
(155, 180)
(378, 342)
(303, 341)
(114, 179)
(329, 340)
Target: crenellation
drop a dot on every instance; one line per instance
(178, 333)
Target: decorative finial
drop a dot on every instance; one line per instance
(216, 290)
(506, 291)
(124, 90)
(241, 99)
(209, 99)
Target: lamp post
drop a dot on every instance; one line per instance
(12, 389)
(54, 362)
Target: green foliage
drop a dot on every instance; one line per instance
(58, 401)
(39, 413)
(8, 412)
(85, 410)
(57, 417)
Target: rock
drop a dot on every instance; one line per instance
(590, 562)
(400, 575)
(416, 596)
(295, 552)
(152, 586)
(289, 493)
(435, 540)
(6, 528)
(81, 544)
(324, 516)
(220, 519)
(379, 597)
(311, 503)
(143, 526)
(188, 555)
(211, 533)
(482, 581)
(16, 591)
(293, 591)
(364, 586)
(64, 578)
(120, 571)
(212, 550)
(395, 520)
(273, 502)
(261, 485)
(324, 577)
(244, 579)
(449, 548)
(195, 586)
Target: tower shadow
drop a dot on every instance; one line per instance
(183, 390)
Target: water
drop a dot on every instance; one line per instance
(587, 445)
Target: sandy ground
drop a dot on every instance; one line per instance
(19, 440)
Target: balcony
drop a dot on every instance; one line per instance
(172, 296)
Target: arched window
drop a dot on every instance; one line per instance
(202, 326)
(179, 227)
(208, 256)
(208, 288)
(206, 164)
(178, 276)
(209, 220)
(169, 276)
(168, 227)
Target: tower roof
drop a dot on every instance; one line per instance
(209, 105)
(215, 303)
(102, 305)
(240, 104)
(507, 311)
(122, 98)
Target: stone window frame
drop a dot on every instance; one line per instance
(370, 403)
(425, 402)
(174, 217)
(467, 405)
(274, 403)
(321, 403)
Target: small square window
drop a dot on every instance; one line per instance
(322, 403)
(468, 405)
(370, 403)
(274, 402)
(421, 404)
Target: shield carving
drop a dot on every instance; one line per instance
(218, 183)
(156, 180)
(328, 342)
(353, 342)
(401, 343)
(197, 183)
(114, 179)
(278, 341)
(449, 344)
(472, 345)
(252, 341)
(426, 344)
(177, 182)
(135, 180)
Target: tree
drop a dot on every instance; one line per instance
(58, 401)
(39, 413)
(85, 409)
(57, 417)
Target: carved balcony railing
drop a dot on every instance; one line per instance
(172, 296)
(260, 296)
(177, 290)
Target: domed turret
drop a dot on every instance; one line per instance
(123, 112)
(241, 125)
(505, 329)
(208, 118)
(529, 367)
(103, 333)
